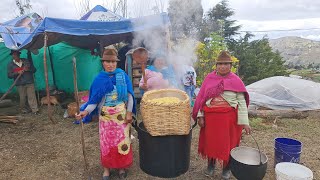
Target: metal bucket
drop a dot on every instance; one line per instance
(248, 163)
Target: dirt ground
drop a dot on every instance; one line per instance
(34, 148)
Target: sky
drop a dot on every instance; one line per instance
(274, 18)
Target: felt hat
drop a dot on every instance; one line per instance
(224, 57)
(110, 53)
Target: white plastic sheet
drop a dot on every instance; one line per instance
(285, 93)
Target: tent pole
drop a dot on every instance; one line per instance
(46, 75)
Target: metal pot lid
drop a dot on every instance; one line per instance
(248, 155)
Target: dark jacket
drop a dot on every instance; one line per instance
(26, 77)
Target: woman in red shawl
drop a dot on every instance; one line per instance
(221, 109)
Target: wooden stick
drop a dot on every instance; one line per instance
(278, 114)
(10, 88)
(10, 117)
(76, 96)
(143, 67)
(46, 75)
(14, 121)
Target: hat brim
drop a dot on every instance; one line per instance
(103, 59)
(223, 62)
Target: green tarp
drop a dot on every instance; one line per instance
(61, 54)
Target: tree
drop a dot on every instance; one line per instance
(207, 53)
(217, 20)
(185, 17)
(82, 6)
(257, 60)
(23, 5)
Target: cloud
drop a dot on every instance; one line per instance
(274, 29)
(266, 10)
(253, 15)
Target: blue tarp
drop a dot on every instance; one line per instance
(85, 34)
(105, 15)
(16, 31)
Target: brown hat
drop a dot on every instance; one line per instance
(224, 57)
(110, 53)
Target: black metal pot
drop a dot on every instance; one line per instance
(248, 163)
(163, 156)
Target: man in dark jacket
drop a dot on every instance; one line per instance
(25, 84)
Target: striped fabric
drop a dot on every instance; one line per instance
(234, 99)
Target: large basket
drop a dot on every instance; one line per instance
(162, 120)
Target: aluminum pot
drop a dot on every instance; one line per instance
(248, 163)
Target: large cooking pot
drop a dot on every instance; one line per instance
(248, 163)
(163, 156)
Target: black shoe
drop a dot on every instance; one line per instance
(106, 178)
(226, 174)
(123, 175)
(25, 111)
(210, 169)
(36, 113)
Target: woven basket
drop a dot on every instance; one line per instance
(162, 120)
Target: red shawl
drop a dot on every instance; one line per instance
(213, 85)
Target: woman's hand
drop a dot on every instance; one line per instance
(247, 128)
(201, 121)
(128, 117)
(81, 115)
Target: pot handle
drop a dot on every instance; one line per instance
(195, 123)
(136, 126)
(257, 146)
(134, 122)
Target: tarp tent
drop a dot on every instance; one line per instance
(79, 33)
(16, 31)
(91, 34)
(285, 93)
(87, 65)
(99, 13)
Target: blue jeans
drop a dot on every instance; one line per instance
(190, 91)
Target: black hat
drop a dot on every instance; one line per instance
(13, 51)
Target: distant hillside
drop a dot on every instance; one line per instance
(297, 51)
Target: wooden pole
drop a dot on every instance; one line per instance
(76, 96)
(10, 88)
(46, 76)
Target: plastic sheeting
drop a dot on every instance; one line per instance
(99, 13)
(285, 93)
(88, 67)
(16, 31)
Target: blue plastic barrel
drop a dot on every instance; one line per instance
(287, 150)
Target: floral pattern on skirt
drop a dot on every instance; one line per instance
(115, 143)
